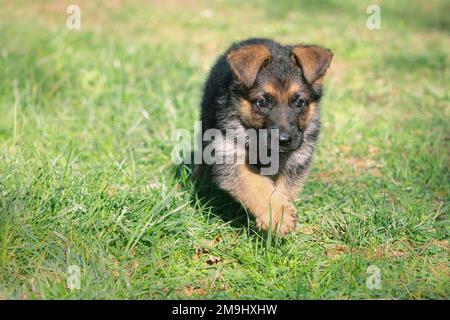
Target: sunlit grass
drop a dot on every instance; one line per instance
(86, 177)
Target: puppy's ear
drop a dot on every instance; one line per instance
(313, 60)
(245, 62)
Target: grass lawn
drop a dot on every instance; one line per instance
(86, 178)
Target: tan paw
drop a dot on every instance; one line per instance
(284, 217)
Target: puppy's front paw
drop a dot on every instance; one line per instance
(287, 220)
(281, 216)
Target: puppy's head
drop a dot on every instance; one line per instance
(278, 87)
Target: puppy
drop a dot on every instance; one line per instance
(261, 84)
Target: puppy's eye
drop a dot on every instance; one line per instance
(299, 103)
(262, 103)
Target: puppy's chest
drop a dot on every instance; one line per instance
(269, 165)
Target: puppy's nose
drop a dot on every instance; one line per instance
(285, 138)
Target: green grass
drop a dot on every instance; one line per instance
(86, 179)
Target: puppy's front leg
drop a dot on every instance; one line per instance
(259, 195)
(288, 186)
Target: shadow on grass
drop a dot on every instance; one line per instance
(205, 194)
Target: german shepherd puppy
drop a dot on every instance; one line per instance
(261, 84)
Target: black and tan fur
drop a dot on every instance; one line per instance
(248, 73)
